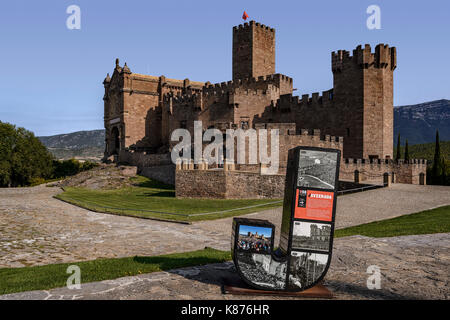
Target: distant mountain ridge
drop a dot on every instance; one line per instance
(75, 140)
(418, 123)
(86, 145)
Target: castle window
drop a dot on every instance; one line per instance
(348, 132)
(244, 125)
(330, 95)
(183, 124)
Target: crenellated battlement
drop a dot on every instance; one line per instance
(219, 92)
(290, 129)
(383, 57)
(305, 100)
(419, 163)
(384, 170)
(276, 78)
(263, 85)
(248, 25)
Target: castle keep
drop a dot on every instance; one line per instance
(356, 115)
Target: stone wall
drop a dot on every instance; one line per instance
(412, 172)
(164, 173)
(288, 139)
(373, 170)
(230, 184)
(227, 184)
(141, 159)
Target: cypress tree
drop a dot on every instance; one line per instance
(398, 156)
(406, 151)
(436, 170)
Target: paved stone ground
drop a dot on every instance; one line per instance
(36, 229)
(412, 267)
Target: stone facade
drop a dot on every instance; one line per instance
(141, 111)
(133, 109)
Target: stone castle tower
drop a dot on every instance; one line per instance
(141, 111)
(253, 51)
(363, 86)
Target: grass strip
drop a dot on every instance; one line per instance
(54, 275)
(425, 222)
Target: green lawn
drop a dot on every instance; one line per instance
(152, 199)
(424, 222)
(54, 275)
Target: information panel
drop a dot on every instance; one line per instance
(306, 240)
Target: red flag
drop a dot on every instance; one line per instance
(245, 16)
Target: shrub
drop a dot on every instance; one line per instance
(65, 168)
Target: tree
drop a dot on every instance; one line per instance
(398, 156)
(436, 170)
(406, 151)
(22, 157)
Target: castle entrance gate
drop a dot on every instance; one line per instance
(422, 178)
(115, 141)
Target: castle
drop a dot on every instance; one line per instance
(356, 115)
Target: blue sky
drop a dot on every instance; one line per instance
(244, 229)
(52, 77)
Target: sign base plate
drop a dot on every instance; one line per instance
(239, 287)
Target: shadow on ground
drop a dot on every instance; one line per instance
(217, 275)
(154, 184)
(360, 292)
(165, 194)
(167, 263)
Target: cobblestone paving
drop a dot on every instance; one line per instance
(412, 267)
(36, 229)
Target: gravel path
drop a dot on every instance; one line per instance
(412, 267)
(36, 229)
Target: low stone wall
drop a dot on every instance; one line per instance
(411, 172)
(165, 174)
(231, 184)
(227, 184)
(141, 159)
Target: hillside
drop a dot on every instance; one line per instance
(87, 145)
(418, 123)
(426, 150)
